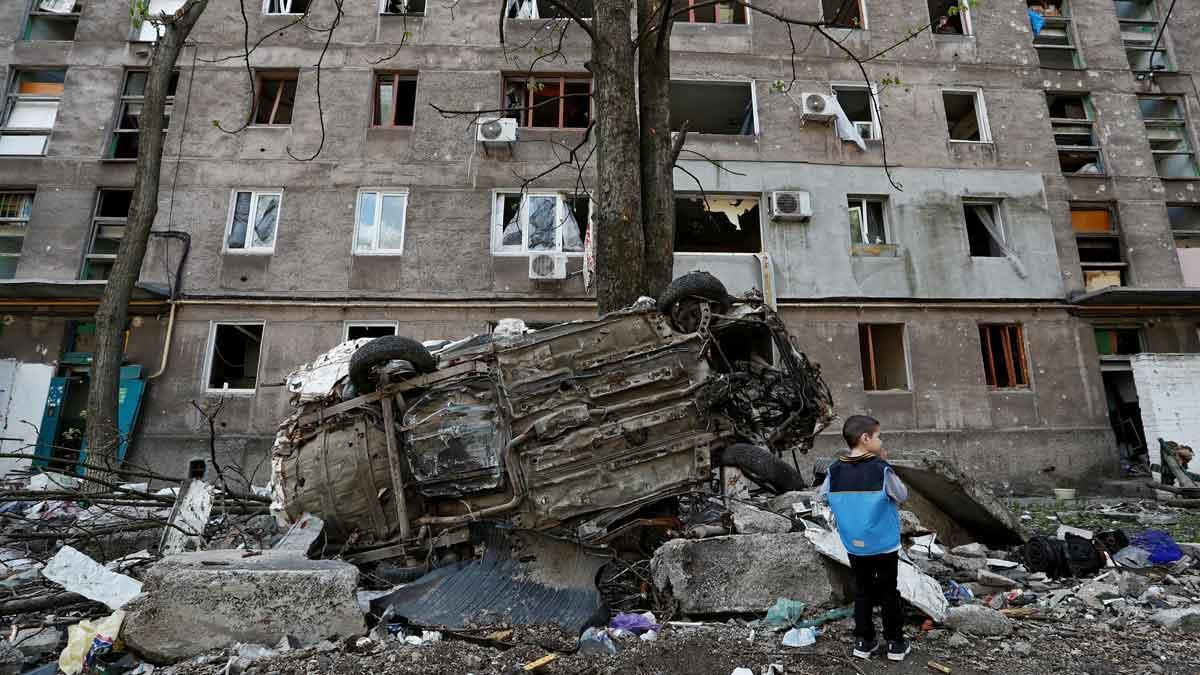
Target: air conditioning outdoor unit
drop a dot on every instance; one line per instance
(818, 107)
(791, 205)
(496, 130)
(543, 266)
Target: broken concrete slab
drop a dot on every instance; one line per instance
(973, 550)
(1183, 619)
(301, 536)
(185, 526)
(783, 503)
(995, 580)
(964, 564)
(748, 519)
(953, 504)
(978, 620)
(910, 524)
(78, 573)
(741, 573)
(194, 602)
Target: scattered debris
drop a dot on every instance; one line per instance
(80, 574)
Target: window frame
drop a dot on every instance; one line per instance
(255, 194)
(282, 76)
(137, 34)
(1066, 23)
(1185, 133)
(383, 10)
(12, 96)
(266, 5)
(862, 13)
(981, 116)
(964, 11)
(1057, 123)
(863, 225)
(751, 83)
(397, 76)
(370, 323)
(98, 222)
(497, 224)
(1137, 329)
(986, 351)
(1112, 234)
(33, 12)
(872, 99)
(874, 379)
(759, 203)
(527, 113)
(210, 348)
(24, 224)
(691, 16)
(380, 194)
(997, 216)
(1169, 64)
(123, 100)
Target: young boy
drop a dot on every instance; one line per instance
(863, 492)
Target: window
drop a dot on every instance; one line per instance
(950, 17)
(1139, 21)
(149, 31)
(1170, 140)
(539, 222)
(108, 228)
(966, 119)
(858, 104)
(30, 110)
(985, 230)
(549, 102)
(285, 6)
(717, 224)
(1073, 121)
(1185, 224)
(722, 12)
(714, 107)
(1055, 40)
(379, 227)
(257, 235)
(867, 224)
(1100, 253)
(1004, 364)
(15, 208)
(356, 330)
(1118, 341)
(52, 20)
(276, 98)
(233, 350)
(881, 347)
(409, 7)
(124, 142)
(395, 100)
(533, 9)
(844, 13)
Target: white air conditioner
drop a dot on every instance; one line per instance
(496, 130)
(791, 205)
(544, 266)
(819, 107)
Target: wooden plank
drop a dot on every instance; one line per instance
(393, 453)
(365, 472)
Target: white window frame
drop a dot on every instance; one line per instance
(862, 12)
(997, 205)
(22, 223)
(266, 6)
(753, 101)
(497, 223)
(873, 93)
(255, 194)
(862, 223)
(209, 353)
(985, 127)
(148, 31)
(383, 10)
(964, 11)
(380, 194)
(347, 325)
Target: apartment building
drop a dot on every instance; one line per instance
(1011, 216)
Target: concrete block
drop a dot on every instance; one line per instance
(750, 520)
(194, 602)
(978, 620)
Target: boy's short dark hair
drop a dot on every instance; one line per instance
(856, 426)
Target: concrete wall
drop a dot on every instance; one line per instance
(1168, 387)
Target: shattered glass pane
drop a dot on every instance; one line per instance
(366, 221)
(241, 216)
(391, 223)
(264, 221)
(511, 210)
(575, 223)
(542, 235)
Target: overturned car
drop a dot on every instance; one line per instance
(571, 429)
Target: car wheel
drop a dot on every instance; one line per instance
(761, 466)
(384, 349)
(682, 299)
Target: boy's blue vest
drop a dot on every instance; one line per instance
(867, 519)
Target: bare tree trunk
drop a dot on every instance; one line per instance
(103, 436)
(619, 235)
(657, 155)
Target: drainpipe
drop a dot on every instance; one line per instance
(187, 247)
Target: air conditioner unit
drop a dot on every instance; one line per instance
(791, 205)
(543, 266)
(496, 130)
(818, 107)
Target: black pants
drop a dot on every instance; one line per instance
(875, 584)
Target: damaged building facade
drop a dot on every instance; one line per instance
(1035, 228)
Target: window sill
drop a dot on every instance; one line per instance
(269, 126)
(1028, 391)
(988, 257)
(414, 15)
(1085, 175)
(527, 254)
(239, 393)
(377, 254)
(2, 156)
(118, 160)
(953, 37)
(250, 253)
(380, 127)
(888, 392)
(875, 251)
(1180, 179)
(958, 142)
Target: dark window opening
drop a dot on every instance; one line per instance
(354, 332)
(1118, 341)
(1184, 218)
(717, 225)
(843, 13)
(409, 7)
(533, 9)
(234, 356)
(276, 99)
(1074, 133)
(124, 142)
(881, 347)
(1106, 250)
(985, 233)
(962, 119)
(549, 102)
(1101, 258)
(287, 6)
(52, 20)
(713, 108)
(721, 12)
(949, 17)
(856, 103)
(1004, 356)
(108, 229)
(395, 100)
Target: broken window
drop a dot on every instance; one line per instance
(395, 100)
(285, 6)
(1118, 341)
(721, 12)
(1055, 40)
(252, 222)
(844, 13)
(533, 9)
(549, 102)
(950, 17)
(966, 119)
(379, 227)
(539, 221)
(1099, 244)
(355, 330)
(985, 231)
(1185, 225)
(858, 104)
(714, 107)
(276, 98)
(52, 20)
(1073, 122)
(124, 141)
(150, 29)
(108, 228)
(717, 224)
(30, 110)
(867, 226)
(1003, 348)
(884, 365)
(1139, 22)
(15, 208)
(1169, 136)
(233, 351)
(409, 7)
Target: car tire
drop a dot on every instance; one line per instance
(761, 466)
(384, 349)
(689, 289)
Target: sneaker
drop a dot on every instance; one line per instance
(898, 649)
(863, 649)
